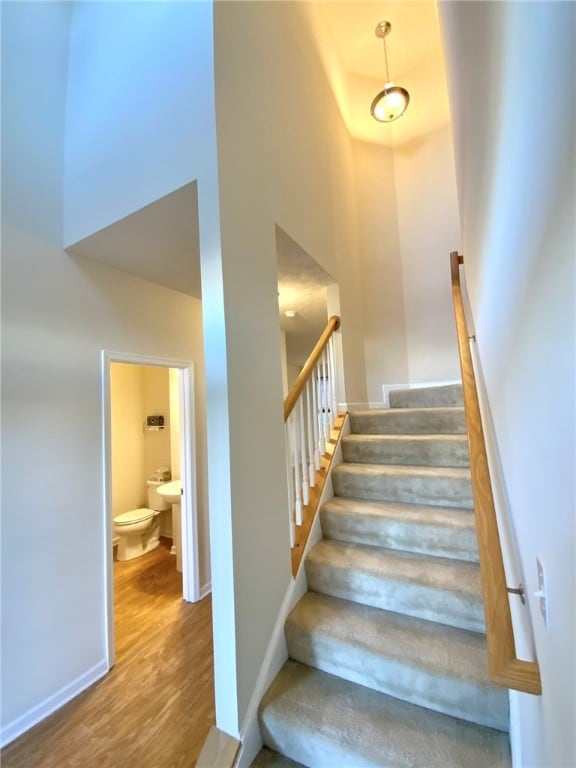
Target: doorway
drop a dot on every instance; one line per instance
(182, 375)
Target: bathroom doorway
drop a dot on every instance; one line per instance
(161, 445)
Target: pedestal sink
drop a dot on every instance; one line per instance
(171, 491)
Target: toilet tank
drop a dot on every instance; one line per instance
(155, 501)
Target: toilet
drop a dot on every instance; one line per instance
(138, 530)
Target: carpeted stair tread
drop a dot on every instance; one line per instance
(266, 758)
(321, 720)
(441, 486)
(427, 397)
(433, 530)
(419, 661)
(388, 660)
(408, 421)
(426, 450)
(433, 588)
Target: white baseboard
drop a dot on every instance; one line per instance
(219, 750)
(205, 589)
(275, 657)
(515, 731)
(361, 406)
(34, 715)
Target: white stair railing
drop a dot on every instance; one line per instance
(309, 417)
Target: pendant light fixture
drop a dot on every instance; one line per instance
(391, 103)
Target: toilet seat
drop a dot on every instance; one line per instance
(134, 516)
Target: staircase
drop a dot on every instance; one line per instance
(388, 663)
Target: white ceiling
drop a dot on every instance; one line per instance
(159, 242)
(413, 41)
(415, 59)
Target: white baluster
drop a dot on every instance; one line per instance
(325, 404)
(297, 479)
(332, 382)
(305, 485)
(328, 392)
(307, 433)
(320, 415)
(310, 435)
(290, 479)
(314, 380)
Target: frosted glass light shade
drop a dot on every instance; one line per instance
(390, 104)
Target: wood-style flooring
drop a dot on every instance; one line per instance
(155, 707)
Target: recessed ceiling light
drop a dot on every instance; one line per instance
(290, 313)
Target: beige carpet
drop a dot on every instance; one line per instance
(388, 663)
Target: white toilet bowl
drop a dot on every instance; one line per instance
(138, 532)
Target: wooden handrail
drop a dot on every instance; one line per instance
(292, 397)
(504, 668)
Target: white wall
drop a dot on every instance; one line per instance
(127, 437)
(157, 401)
(174, 421)
(140, 123)
(407, 218)
(284, 363)
(385, 350)
(408, 223)
(516, 187)
(429, 229)
(58, 313)
(284, 158)
(292, 371)
(139, 107)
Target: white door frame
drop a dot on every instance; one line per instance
(189, 535)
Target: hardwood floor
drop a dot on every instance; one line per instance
(156, 706)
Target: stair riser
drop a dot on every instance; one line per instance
(392, 422)
(440, 541)
(461, 698)
(407, 488)
(327, 722)
(268, 759)
(429, 397)
(387, 647)
(307, 750)
(412, 599)
(438, 453)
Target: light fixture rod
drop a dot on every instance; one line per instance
(382, 31)
(386, 60)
